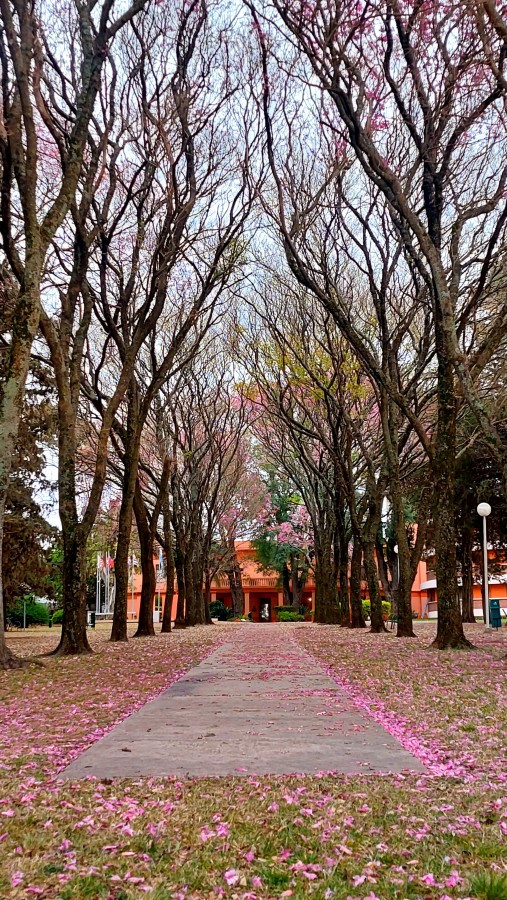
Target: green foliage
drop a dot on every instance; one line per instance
(36, 612)
(220, 611)
(489, 886)
(54, 580)
(386, 609)
(58, 617)
(28, 537)
(289, 615)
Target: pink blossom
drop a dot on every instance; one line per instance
(231, 877)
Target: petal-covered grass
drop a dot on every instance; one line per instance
(442, 835)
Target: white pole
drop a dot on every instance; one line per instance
(133, 603)
(484, 510)
(106, 599)
(486, 578)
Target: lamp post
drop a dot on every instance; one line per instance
(484, 509)
(396, 549)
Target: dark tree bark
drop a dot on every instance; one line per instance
(130, 466)
(286, 584)
(342, 557)
(370, 565)
(234, 576)
(327, 607)
(147, 530)
(180, 582)
(74, 639)
(170, 568)
(467, 574)
(298, 580)
(146, 541)
(356, 605)
(449, 626)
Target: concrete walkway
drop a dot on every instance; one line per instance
(259, 704)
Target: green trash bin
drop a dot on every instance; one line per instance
(494, 614)
(92, 619)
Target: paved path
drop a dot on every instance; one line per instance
(259, 704)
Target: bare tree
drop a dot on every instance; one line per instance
(47, 107)
(413, 114)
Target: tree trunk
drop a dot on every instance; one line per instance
(146, 540)
(236, 585)
(390, 421)
(195, 612)
(180, 583)
(7, 659)
(327, 608)
(12, 389)
(376, 617)
(405, 626)
(467, 575)
(286, 584)
(356, 605)
(343, 571)
(298, 582)
(449, 626)
(404, 600)
(169, 566)
(74, 639)
(130, 466)
(168, 601)
(382, 571)
(207, 597)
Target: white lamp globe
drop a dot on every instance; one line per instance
(484, 509)
(395, 548)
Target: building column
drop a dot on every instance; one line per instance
(280, 598)
(246, 595)
(213, 596)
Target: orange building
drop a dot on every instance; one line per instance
(263, 593)
(261, 589)
(427, 605)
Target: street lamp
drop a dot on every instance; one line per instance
(396, 550)
(484, 510)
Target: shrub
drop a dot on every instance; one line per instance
(289, 615)
(386, 609)
(58, 617)
(218, 610)
(489, 886)
(36, 612)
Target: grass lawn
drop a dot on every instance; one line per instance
(442, 835)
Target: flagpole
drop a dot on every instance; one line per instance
(106, 603)
(133, 603)
(97, 585)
